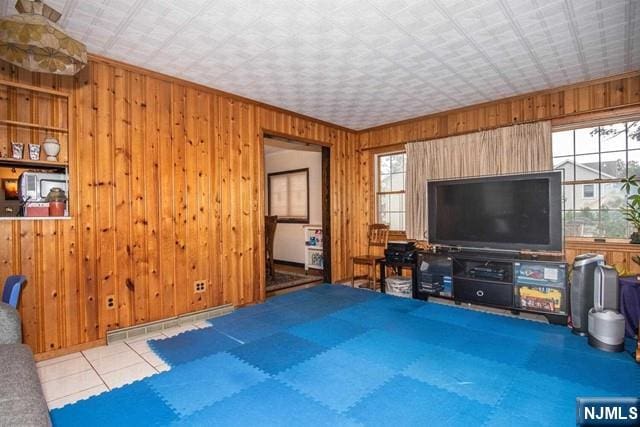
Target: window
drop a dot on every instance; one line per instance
(588, 191)
(594, 159)
(289, 195)
(390, 189)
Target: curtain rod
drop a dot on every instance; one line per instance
(528, 122)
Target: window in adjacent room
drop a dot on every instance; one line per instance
(594, 159)
(588, 191)
(288, 194)
(390, 189)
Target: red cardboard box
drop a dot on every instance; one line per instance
(36, 209)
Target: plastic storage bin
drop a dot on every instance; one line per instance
(398, 285)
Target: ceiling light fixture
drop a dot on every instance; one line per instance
(32, 40)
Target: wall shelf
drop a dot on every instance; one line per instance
(29, 114)
(34, 218)
(33, 126)
(313, 245)
(25, 163)
(34, 88)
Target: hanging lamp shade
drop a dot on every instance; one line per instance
(32, 40)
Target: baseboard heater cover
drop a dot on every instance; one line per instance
(171, 322)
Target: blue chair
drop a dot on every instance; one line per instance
(12, 289)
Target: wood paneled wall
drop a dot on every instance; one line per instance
(166, 189)
(575, 100)
(603, 96)
(616, 254)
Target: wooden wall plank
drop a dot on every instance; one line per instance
(123, 195)
(167, 239)
(31, 300)
(105, 150)
(193, 241)
(153, 130)
(216, 293)
(71, 304)
(179, 196)
(7, 249)
(203, 198)
(48, 278)
(86, 208)
(138, 289)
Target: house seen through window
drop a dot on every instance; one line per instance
(390, 190)
(594, 160)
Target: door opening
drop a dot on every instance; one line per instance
(297, 213)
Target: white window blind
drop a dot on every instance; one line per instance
(288, 195)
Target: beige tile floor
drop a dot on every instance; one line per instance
(80, 375)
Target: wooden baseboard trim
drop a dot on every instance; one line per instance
(68, 350)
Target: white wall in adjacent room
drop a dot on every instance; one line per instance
(289, 240)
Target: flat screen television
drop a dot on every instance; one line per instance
(507, 212)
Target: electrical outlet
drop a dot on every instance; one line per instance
(111, 302)
(199, 286)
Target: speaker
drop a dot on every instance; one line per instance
(581, 293)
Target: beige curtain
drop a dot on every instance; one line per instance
(512, 149)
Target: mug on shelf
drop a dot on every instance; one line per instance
(34, 151)
(17, 149)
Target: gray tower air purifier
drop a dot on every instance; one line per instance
(584, 267)
(606, 325)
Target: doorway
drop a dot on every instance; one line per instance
(297, 213)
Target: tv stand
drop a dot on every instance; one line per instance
(501, 280)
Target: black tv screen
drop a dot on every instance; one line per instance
(512, 212)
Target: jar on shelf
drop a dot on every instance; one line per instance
(51, 148)
(57, 201)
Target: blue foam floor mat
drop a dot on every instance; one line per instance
(332, 355)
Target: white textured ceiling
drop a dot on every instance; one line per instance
(362, 63)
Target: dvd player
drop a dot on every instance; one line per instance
(487, 273)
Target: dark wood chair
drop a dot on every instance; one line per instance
(377, 237)
(270, 224)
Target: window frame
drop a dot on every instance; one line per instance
(378, 186)
(562, 126)
(289, 220)
(593, 191)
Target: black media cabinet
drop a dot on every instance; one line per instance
(517, 283)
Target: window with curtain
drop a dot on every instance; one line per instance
(288, 194)
(594, 159)
(390, 190)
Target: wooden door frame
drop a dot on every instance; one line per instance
(326, 203)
